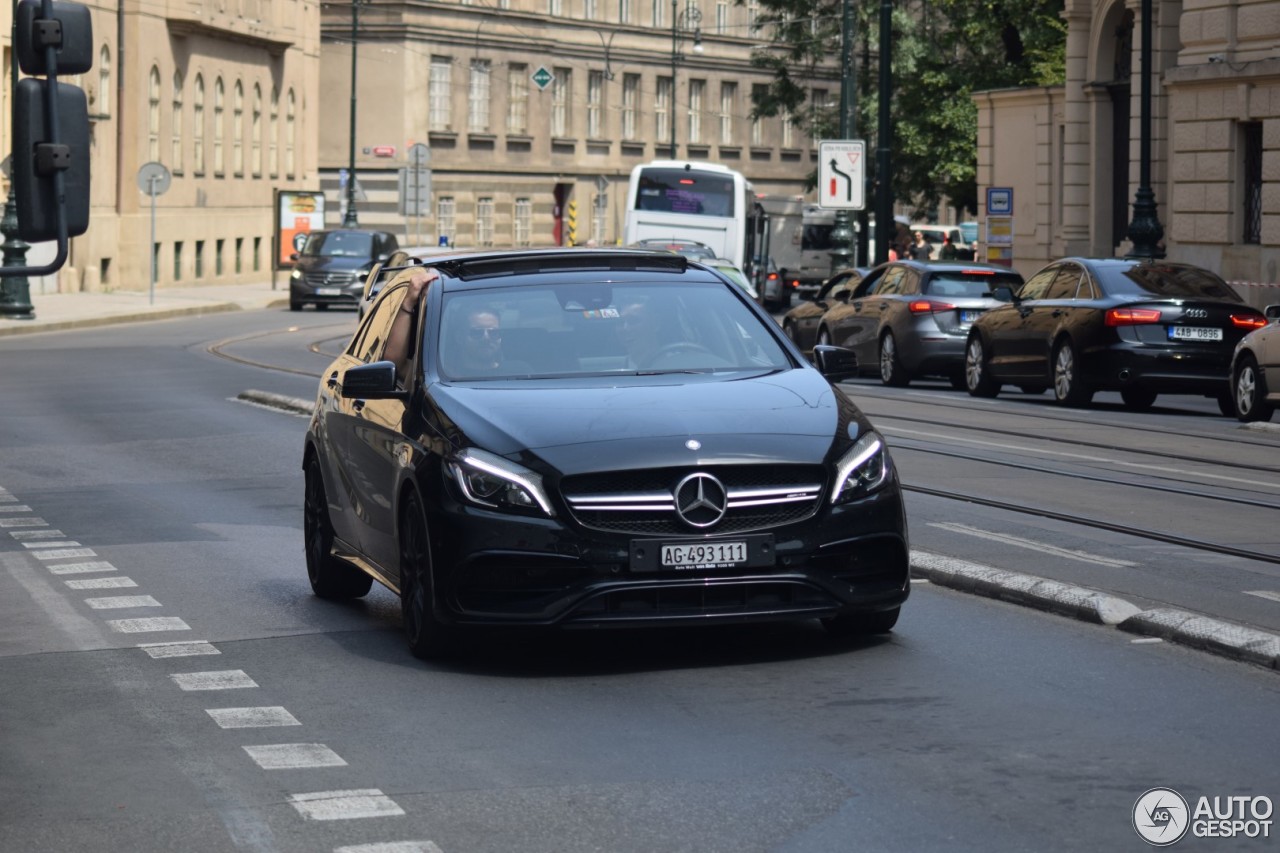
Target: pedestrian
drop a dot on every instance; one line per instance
(921, 250)
(948, 251)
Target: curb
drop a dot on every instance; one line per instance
(1215, 636)
(114, 319)
(295, 405)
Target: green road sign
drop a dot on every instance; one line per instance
(542, 77)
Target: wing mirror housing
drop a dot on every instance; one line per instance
(835, 363)
(376, 381)
(1004, 293)
(1272, 312)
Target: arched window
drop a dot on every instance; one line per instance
(153, 115)
(198, 120)
(257, 131)
(290, 133)
(219, 108)
(103, 105)
(237, 139)
(273, 135)
(175, 126)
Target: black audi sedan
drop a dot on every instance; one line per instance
(1140, 327)
(594, 438)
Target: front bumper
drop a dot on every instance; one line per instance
(300, 291)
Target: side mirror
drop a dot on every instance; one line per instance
(1004, 293)
(375, 381)
(835, 363)
(1272, 312)
(294, 256)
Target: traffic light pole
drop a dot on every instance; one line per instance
(15, 290)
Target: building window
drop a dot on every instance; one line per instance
(624, 11)
(438, 93)
(786, 129)
(273, 136)
(1251, 147)
(445, 213)
(722, 16)
(237, 127)
(630, 101)
(662, 110)
(256, 127)
(197, 118)
(599, 208)
(257, 254)
(478, 100)
(728, 106)
(656, 12)
(175, 125)
(153, 115)
(484, 222)
(753, 13)
(517, 98)
(199, 259)
(217, 257)
(555, 7)
(522, 222)
(560, 95)
(177, 261)
(758, 92)
(590, 9)
(595, 98)
(103, 105)
(218, 117)
(290, 132)
(696, 88)
(239, 254)
(154, 272)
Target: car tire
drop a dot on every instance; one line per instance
(861, 624)
(1250, 392)
(426, 637)
(294, 305)
(330, 577)
(1068, 388)
(1138, 398)
(977, 373)
(892, 373)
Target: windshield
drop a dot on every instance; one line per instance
(969, 231)
(969, 283)
(1166, 281)
(685, 191)
(816, 237)
(339, 244)
(595, 329)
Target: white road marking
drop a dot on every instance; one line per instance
(15, 508)
(81, 568)
(252, 718)
(1083, 556)
(116, 582)
(1145, 641)
(6, 498)
(1020, 448)
(919, 580)
(21, 535)
(32, 521)
(393, 847)
(294, 756)
(67, 543)
(1268, 594)
(227, 679)
(119, 602)
(345, 805)
(179, 650)
(64, 553)
(150, 625)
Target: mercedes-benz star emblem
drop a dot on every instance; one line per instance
(701, 500)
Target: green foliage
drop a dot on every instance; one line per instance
(943, 52)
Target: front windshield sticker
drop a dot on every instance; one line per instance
(601, 314)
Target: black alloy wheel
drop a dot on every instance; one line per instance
(1068, 388)
(330, 577)
(1250, 392)
(861, 624)
(892, 373)
(1137, 397)
(977, 376)
(427, 638)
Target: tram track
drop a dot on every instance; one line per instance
(219, 349)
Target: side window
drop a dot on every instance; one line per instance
(1064, 284)
(1037, 285)
(865, 287)
(890, 283)
(910, 283)
(369, 342)
(1088, 290)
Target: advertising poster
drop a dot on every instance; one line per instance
(298, 212)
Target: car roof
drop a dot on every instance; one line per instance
(951, 266)
(480, 268)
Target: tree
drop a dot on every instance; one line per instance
(943, 52)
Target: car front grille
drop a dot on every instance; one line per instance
(329, 279)
(644, 502)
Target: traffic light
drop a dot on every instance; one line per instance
(571, 222)
(51, 119)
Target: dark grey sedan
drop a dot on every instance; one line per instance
(911, 318)
(801, 322)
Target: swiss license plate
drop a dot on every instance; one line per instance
(967, 317)
(328, 291)
(658, 555)
(1194, 333)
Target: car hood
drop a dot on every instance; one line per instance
(789, 416)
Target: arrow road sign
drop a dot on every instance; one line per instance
(841, 174)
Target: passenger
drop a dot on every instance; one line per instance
(401, 334)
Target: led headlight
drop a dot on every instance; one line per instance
(862, 470)
(296, 275)
(488, 480)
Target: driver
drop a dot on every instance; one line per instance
(640, 334)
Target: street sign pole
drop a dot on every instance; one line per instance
(153, 179)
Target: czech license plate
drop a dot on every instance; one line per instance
(328, 291)
(1194, 333)
(657, 555)
(967, 317)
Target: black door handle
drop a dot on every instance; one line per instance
(333, 379)
(1057, 312)
(358, 406)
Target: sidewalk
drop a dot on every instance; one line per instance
(57, 311)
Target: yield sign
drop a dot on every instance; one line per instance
(842, 174)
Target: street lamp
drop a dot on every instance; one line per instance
(688, 19)
(607, 45)
(1145, 230)
(349, 219)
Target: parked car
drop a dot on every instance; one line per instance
(776, 289)
(589, 438)
(935, 235)
(1140, 327)
(801, 322)
(689, 248)
(1255, 370)
(332, 266)
(911, 318)
(735, 274)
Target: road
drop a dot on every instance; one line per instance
(274, 721)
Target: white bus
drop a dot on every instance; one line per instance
(681, 200)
